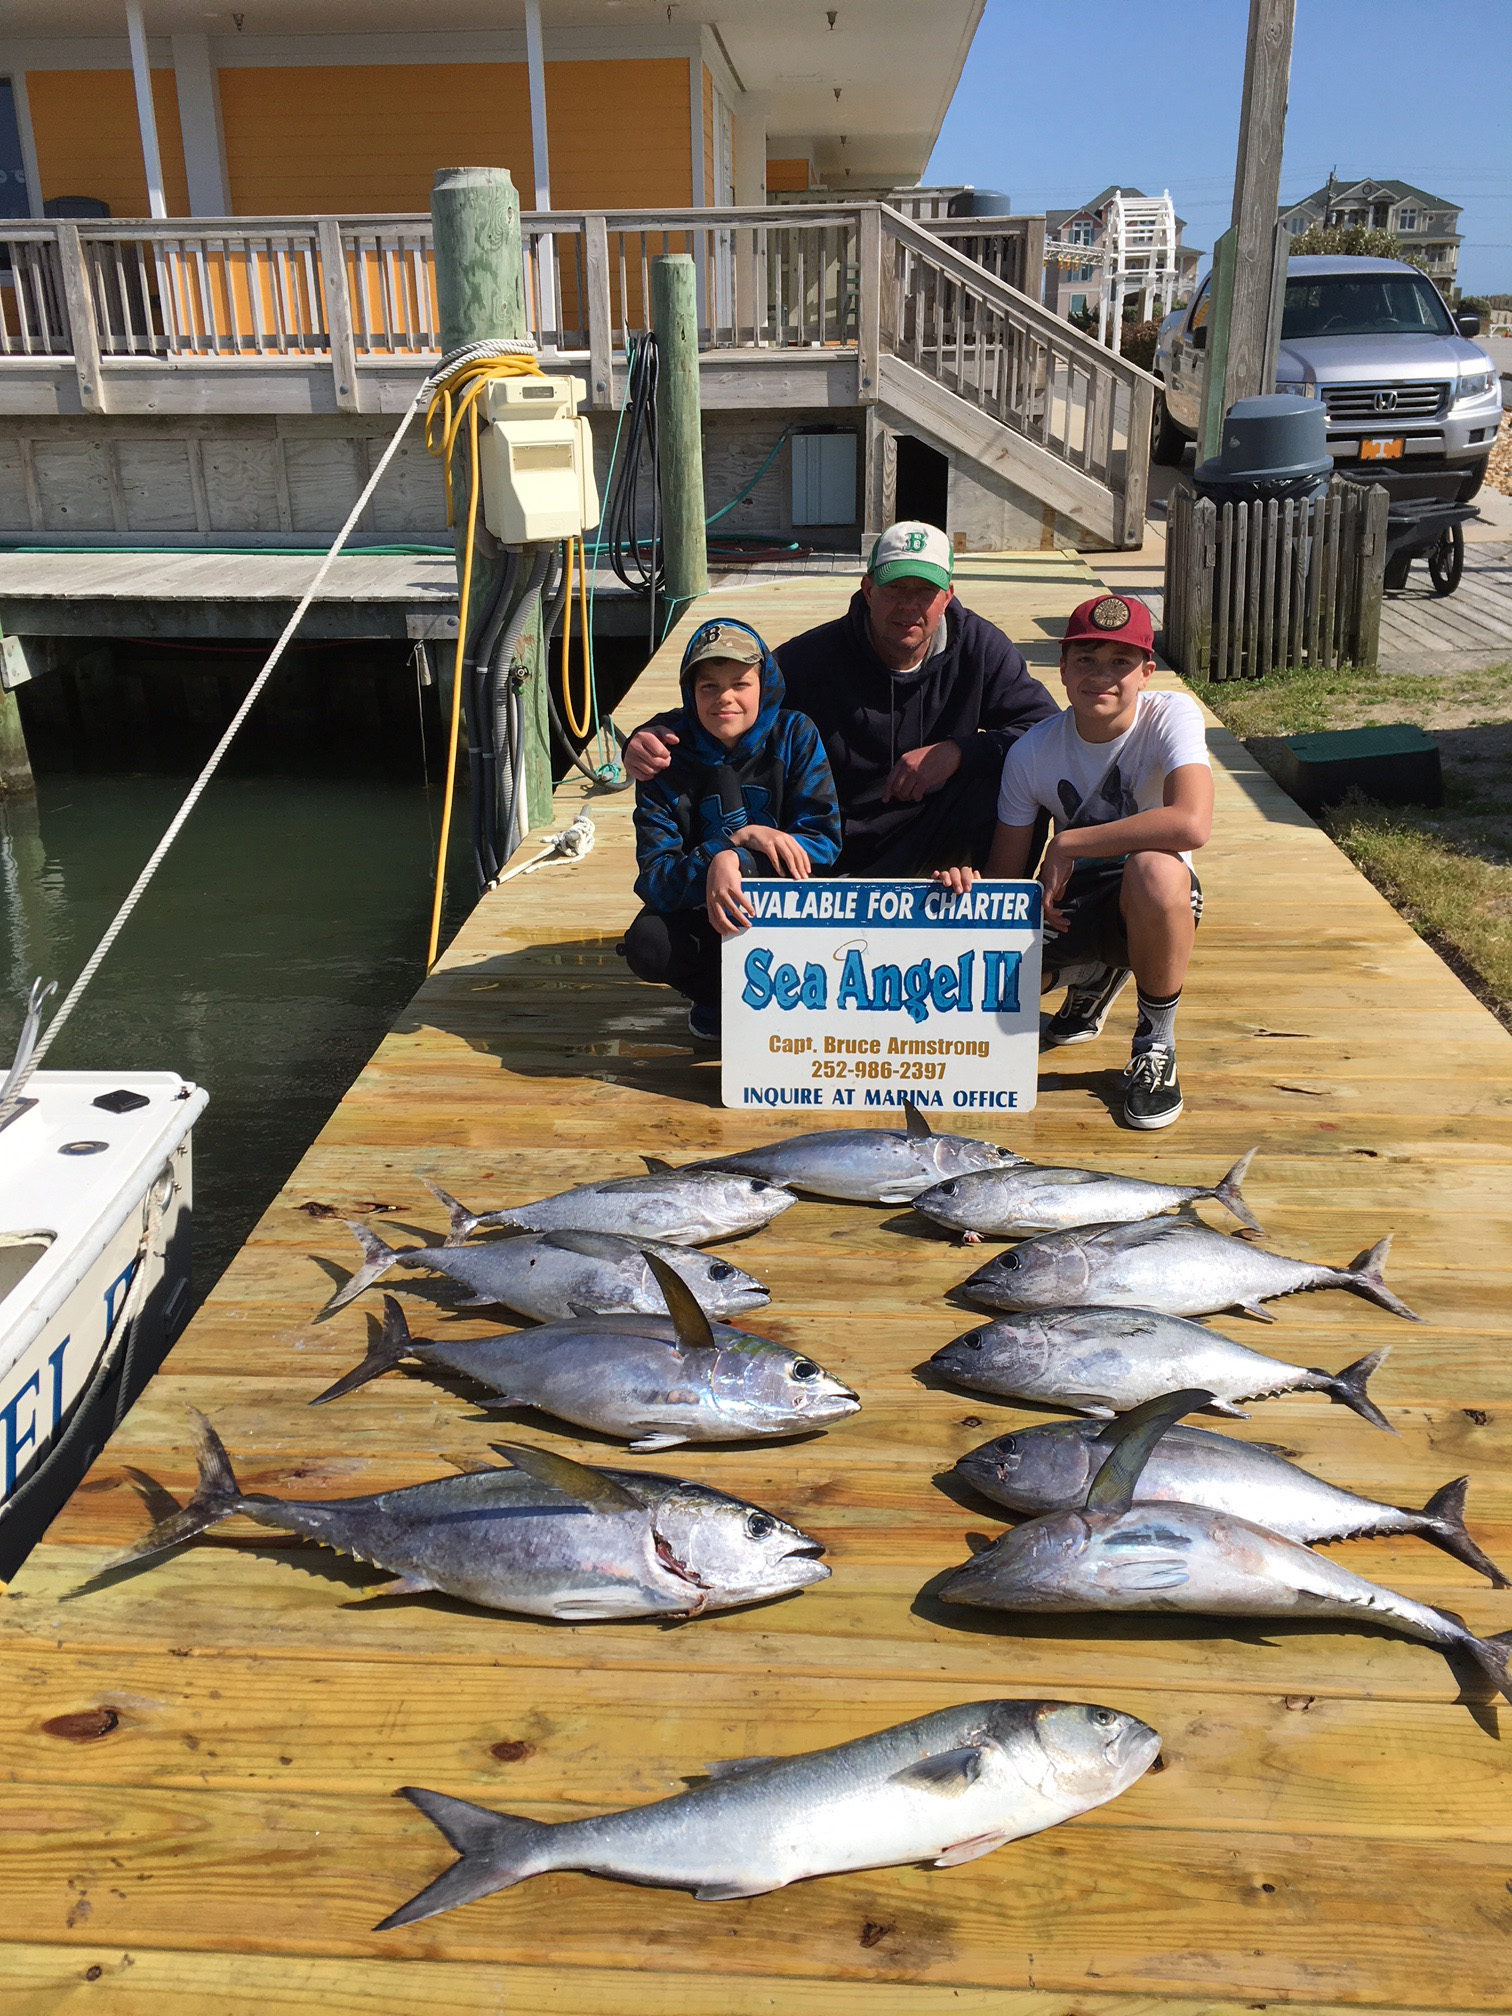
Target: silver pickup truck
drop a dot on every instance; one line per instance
(1412, 402)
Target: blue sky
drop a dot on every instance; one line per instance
(1059, 100)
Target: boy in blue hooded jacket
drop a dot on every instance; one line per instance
(748, 792)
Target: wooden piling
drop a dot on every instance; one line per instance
(480, 292)
(674, 318)
(16, 780)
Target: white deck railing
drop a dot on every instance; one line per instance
(856, 281)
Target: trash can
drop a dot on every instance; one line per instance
(1273, 446)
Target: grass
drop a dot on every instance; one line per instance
(1447, 870)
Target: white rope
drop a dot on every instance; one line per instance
(471, 353)
(569, 845)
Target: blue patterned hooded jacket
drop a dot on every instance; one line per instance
(776, 775)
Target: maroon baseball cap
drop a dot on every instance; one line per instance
(1110, 619)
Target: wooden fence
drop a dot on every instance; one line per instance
(1256, 588)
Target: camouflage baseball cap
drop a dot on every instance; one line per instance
(723, 640)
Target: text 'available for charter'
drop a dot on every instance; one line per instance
(864, 994)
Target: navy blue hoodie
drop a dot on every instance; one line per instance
(776, 775)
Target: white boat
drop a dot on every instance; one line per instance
(95, 1197)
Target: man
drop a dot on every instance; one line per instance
(917, 702)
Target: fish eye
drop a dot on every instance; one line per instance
(1104, 1717)
(760, 1524)
(1007, 1446)
(947, 1189)
(973, 1339)
(1008, 1260)
(804, 1368)
(720, 1270)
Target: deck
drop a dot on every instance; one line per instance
(196, 1807)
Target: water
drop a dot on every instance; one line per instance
(271, 954)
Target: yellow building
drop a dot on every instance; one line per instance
(281, 108)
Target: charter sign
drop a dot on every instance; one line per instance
(862, 995)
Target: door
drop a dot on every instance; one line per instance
(1188, 362)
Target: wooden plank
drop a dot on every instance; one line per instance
(232, 1832)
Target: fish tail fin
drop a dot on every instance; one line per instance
(1348, 1387)
(377, 1258)
(1229, 1196)
(495, 1850)
(1364, 1275)
(1492, 1656)
(1444, 1524)
(391, 1347)
(216, 1494)
(463, 1223)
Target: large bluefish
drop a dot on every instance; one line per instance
(943, 1789)
(1105, 1361)
(656, 1380)
(680, 1207)
(1116, 1554)
(1050, 1467)
(549, 1274)
(1013, 1203)
(1169, 1264)
(547, 1537)
(867, 1165)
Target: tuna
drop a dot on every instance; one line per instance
(680, 1207)
(865, 1165)
(1049, 1468)
(1012, 1203)
(943, 1789)
(1118, 1555)
(1105, 1361)
(544, 1275)
(1170, 1264)
(545, 1538)
(655, 1380)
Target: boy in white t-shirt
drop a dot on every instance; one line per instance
(1125, 776)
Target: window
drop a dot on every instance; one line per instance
(1078, 304)
(1376, 304)
(13, 199)
(1407, 217)
(1199, 315)
(1081, 232)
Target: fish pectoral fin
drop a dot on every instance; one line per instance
(1228, 1410)
(1256, 1309)
(733, 1767)
(721, 1893)
(968, 1851)
(1132, 1439)
(949, 1772)
(616, 1600)
(1151, 1573)
(590, 1488)
(683, 1306)
(661, 1440)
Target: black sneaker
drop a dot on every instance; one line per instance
(1081, 1016)
(703, 1023)
(1152, 1091)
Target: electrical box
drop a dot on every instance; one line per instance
(824, 479)
(536, 458)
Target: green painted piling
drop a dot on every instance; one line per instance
(480, 292)
(674, 318)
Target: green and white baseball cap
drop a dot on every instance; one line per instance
(912, 547)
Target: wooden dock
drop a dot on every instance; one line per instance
(196, 1793)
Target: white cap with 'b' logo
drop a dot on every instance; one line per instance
(912, 547)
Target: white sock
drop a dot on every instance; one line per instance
(1157, 1021)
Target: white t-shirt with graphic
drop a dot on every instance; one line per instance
(1092, 783)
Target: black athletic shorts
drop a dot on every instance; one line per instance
(1096, 927)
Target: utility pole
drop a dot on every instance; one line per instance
(1242, 323)
(480, 292)
(674, 318)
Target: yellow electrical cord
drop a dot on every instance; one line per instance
(579, 729)
(456, 401)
